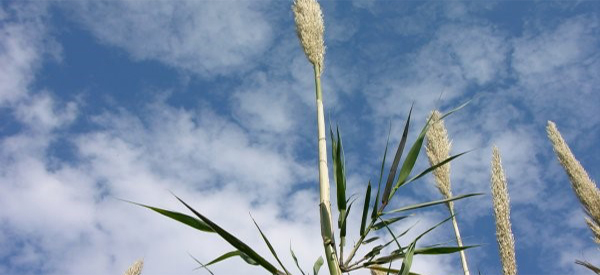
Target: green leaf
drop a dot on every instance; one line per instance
(183, 218)
(407, 261)
(374, 212)
(296, 260)
(374, 251)
(270, 246)
(363, 221)
(235, 253)
(344, 221)
(430, 169)
(339, 174)
(392, 175)
(370, 240)
(317, 265)
(413, 154)
(387, 222)
(235, 242)
(442, 250)
(431, 203)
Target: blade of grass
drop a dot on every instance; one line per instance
(296, 260)
(270, 246)
(430, 203)
(392, 175)
(339, 176)
(365, 209)
(235, 242)
(374, 212)
(431, 168)
(442, 250)
(183, 218)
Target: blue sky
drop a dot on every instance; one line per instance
(214, 100)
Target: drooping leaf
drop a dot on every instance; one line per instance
(235, 242)
(392, 175)
(183, 218)
(296, 260)
(317, 265)
(431, 203)
(270, 246)
(386, 222)
(363, 221)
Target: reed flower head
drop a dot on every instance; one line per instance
(135, 269)
(501, 201)
(586, 190)
(438, 149)
(310, 29)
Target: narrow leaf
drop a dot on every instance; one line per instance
(363, 222)
(183, 218)
(374, 212)
(317, 265)
(387, 222)
(407, 261)
(296, 260)
(235, 253)
(392, 175)
(430, 169)
(337, 155)
(431, 203)
(235, 242)
(370, 240)
(441, 250)
(270, 246)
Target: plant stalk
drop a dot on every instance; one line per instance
(463, 257)
(330, 254)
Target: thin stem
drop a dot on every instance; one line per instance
(463, 257)
(330, 254)
(360, 240)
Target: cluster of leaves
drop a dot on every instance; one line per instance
(370, 223)
(379, 218)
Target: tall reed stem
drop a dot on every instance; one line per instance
(326, 222)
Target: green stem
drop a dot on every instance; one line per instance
(330, 254)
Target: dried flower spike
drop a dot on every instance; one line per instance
(585, 189)
(310, 29)
(438, 149)
(135, 269)
(504, 234)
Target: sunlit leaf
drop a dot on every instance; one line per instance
(270, 246)
(235, 242)
(430, 203)
(183, 218)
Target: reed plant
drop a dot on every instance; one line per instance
(382, 249)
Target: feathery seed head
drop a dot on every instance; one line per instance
(135, 269)
(438, 149)
(586, 190)
(310, 29)
(501, 201)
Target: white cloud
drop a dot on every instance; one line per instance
(206, 37)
